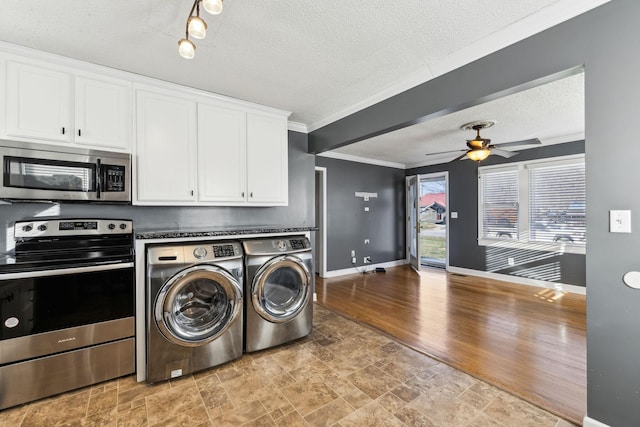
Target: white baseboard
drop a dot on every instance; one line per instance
(359, 270)
(520, 280)
(590, 422)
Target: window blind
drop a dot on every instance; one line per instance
(557, 203)
(499, 209)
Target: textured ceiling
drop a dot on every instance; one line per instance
(321, 60)
(553, 113)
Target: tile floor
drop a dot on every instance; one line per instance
(344, 374)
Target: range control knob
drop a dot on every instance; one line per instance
(42, 227)
(123, 226)
(200, 253)
(27, 228)
(111, 226)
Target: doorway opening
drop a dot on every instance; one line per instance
(432, 215)
(427, 222)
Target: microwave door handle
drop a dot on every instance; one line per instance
(98, 177)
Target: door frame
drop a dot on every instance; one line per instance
(320, 245)
(419, 177)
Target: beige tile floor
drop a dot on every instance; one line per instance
(344, 374)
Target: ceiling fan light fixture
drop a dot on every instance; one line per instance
(186, 48)
(478, 154)
(214, 7)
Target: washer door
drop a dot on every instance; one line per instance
(280, 289)
(197, 305)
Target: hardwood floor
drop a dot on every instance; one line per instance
(526, 340)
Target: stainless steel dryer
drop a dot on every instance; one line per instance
(194, 307)
(278, 292)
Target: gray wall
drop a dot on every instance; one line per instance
(347, 222)
(299, 213)
(605, 41)
(464, 250)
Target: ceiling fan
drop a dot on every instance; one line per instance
(479, 148)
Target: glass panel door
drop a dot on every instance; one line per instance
(413, 225)
(432, 219)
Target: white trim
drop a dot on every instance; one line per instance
(590, 422)
(368, 267)
(519, 280)
(358, 159)
(539, 21)
(297, 127)
(322, 235)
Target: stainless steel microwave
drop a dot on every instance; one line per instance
(43, 172)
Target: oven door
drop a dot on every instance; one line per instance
(45, 312)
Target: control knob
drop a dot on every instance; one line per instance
(123, 226)
(42, 227)
(111, 226)
(281, 245)
(27, 228)
(200, 252)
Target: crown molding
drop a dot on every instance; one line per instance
(358, 159)
(297, 127)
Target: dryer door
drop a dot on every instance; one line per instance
(198, 305)
(280, 289)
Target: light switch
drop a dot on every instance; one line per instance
(454, 215)
(620, 221)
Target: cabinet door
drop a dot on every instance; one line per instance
(267, 161)
(102, 113)
(38, 103)
(165, 148)
(222, 155)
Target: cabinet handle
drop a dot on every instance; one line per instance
(192, 192)
(251, 194)
(79, 132)
(243, 194)
(63, 130)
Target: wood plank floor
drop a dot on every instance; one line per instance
(526, 340)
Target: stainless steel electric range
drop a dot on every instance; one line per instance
(66, 306)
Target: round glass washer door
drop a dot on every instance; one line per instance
(280, 288)
(198, 305)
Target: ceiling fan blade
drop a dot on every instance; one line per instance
(534, 141)
(503, 153)
(445, 152)
(461, 157)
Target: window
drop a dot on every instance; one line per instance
(539, 203)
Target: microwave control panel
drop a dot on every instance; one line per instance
(113, 178)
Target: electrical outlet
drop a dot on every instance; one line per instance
(367, 260)
(353, 252)
(366, 241)
(511, 261)
(353, 260)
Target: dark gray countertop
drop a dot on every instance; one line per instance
(185, 233)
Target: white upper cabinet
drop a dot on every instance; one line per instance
(165, 149)
(38, 101)
(242, 157)
(58, 106)
(222, 154)
(267, 160)
(102, 113)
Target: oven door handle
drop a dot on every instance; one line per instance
(64, 271)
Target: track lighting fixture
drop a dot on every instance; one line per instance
(196, 27)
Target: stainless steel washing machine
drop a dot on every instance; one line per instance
(278, 291)
(194, 307)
